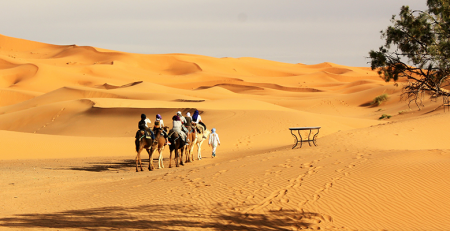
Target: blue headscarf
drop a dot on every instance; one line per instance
(195, 116)
(213, 130)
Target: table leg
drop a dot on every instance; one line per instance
(309, 138)
(296, 140)
(315, 138)
(301, 138)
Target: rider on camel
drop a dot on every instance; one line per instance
(143, 125)
(159, 123)
(189, 125)
(186, 128)
(197, 119)
(178, 128)
(183, 120)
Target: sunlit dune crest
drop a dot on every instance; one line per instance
(69, 115)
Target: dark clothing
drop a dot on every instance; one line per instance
(201, 123)
(188, 121)
(142, 127)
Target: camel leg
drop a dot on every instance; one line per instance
(170, 159)
(160, 159)
(138, 160)
(191, 149)
(181, 156)
(199, 150)
(185, 148)
(150, 159)
(186, 154)
(176, 158)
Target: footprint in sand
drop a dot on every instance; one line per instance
(297, 185)
(316, 221)
(316, 197)
(281, 193)
(319, 190)
(302, 203)
(327, 218)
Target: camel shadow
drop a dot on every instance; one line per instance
(160, 217)
(105, 166)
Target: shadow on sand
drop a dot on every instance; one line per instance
(106, 166)
(160, 217)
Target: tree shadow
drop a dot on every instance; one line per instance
(161, 217)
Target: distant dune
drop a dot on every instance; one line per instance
(69, 114)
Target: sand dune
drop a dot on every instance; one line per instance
(10, 96)
(69, 114)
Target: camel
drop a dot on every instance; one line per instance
(199, 142)
(189, 147)
(159, 145)
(177, 145)
(142, 142)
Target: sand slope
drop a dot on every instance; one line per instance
(68, 116)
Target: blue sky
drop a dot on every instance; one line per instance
(292, 31)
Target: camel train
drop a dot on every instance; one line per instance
(182, 138)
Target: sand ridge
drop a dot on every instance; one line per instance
(68, 116)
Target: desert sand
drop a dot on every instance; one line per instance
(68, 116)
